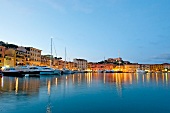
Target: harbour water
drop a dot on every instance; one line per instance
(86, 93)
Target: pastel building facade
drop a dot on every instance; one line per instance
(95, 67)
(10, 57)
(33, 56)
(21, 56)
(71, 66)
(81, 64)
(130, 67)
(46, 60)
(156, 67)
(2, 54)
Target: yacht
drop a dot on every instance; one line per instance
(31, 70)
(38, 70)
(109, 71)
(12, 72)
(140, 71)
(49, 71)
(66, 71)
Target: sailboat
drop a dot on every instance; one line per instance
(50, 70)
(65, 70)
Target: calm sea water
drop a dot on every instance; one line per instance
(86, 93)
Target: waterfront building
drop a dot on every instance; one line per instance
(81, 63)
(21, 56)
(109, 66)
(60, 64)
(45, 60)
(57, 63)
(98, 67)
(10, 57)
(2, 54)
(130, 67)
(119, 68)
(156, 67)
(166, 67)
(33, 56)
(145, 67)
(89, 66)
(71, 65)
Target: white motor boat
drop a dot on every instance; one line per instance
(67, 71)
(40, 70)
(49, 71)
(109, 71)
(11, 72)
(140, 71)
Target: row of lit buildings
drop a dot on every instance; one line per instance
(13, 55)
(19, 56)
(131, 67)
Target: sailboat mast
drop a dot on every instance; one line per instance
(51, 53)
(65, 59)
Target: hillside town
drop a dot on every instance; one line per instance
(12, 55)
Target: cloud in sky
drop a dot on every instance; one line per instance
(80, 5)
(15, 7)
(56, 4)
(161, 58)
(165, 56)
(62, 6)
(65, 6)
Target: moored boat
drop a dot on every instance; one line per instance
(66, 71)
(31, 70)
(140, 71)
(12, 72)
(49, 71)
(38, 70)
(109, 71)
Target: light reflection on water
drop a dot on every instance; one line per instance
(82, 93)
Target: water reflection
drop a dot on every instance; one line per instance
(49, 106)
(19, 85)
(57, 87)
(32, 85)
(16, 86)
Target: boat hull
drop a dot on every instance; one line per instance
(50, 72)
(46, 72)
(30, 72)
(13, 74)
(67, 72)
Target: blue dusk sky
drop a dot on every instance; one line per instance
(136, 30)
